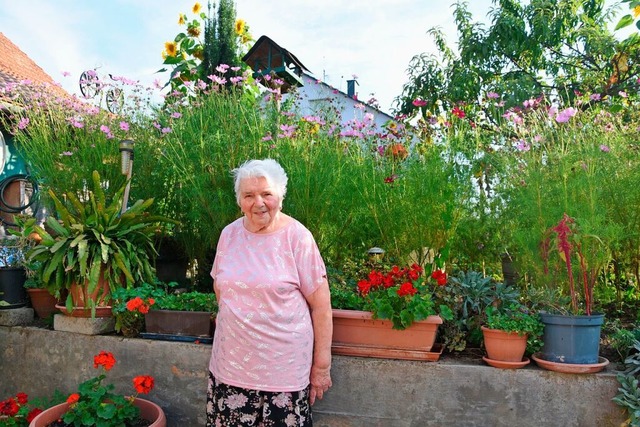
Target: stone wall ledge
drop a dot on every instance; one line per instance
(366, 392)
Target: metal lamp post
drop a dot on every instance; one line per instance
(126, 164)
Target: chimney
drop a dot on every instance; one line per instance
(351, 89)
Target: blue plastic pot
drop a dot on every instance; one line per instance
(571, 339)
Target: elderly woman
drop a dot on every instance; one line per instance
(271, 355)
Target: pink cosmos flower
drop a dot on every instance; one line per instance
(565, 115)
(23, 123)
(419, 102)
(492, 95)
(604, 148)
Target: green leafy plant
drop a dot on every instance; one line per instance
(187, 301)
(628, 395)
(401, 295)
(96, 404)
(468, 294)
(92, 239)
(516, 318)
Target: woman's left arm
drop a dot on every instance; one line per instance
(320, 307)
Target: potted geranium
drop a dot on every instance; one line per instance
(18, 410)
(398, 317)
(130, 305)
(90, 247)
(506, 332)
(572, 335)
(96, 404)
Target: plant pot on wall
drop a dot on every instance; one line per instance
(175, 322)
(43, 303)
(504, 349)
(149, 411)
(12, 291)
(571, 339)
(356, 333)
(83, 300)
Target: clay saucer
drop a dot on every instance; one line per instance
(571, 368)
(506, 365)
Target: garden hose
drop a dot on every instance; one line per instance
(8, 208)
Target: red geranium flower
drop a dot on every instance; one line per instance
(33, 413)
(440, 276)
(407, 289)
(73, 398)
(143, 383)
(104, 359)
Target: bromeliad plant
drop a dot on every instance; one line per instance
(401, 295)
(91, 240)
(96, 404)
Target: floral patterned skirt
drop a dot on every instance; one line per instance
(234, 406)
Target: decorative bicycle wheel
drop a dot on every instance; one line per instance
(115, 100)
(90, 85)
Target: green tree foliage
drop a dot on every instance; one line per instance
(220, 38)
(551, 48)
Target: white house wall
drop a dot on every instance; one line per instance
(315, 98)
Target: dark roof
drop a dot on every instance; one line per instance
(268, 57)
(261, 44)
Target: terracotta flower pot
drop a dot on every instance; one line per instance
(357, 333)
(43, 303)
(504, 346)
(148, 411)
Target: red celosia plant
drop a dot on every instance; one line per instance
(17, 411)
(401, 295)
(97, 405)
(571, 245)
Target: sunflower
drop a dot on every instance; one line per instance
(636, 11)
(240, 26)
(193, 31)
(171, 48)
(196, 8)
(181, 19)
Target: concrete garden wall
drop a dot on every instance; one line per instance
(366, 392)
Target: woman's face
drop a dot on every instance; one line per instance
(259, 202)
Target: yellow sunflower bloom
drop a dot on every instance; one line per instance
(171, 48)
(181, 19)
(240, 26)
(636, 11)
(196, 8)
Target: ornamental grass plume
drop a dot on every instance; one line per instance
(572, 243)
(96, 404)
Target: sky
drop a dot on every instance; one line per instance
(373, 40)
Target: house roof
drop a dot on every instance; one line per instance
(267, 56)
(16, 66)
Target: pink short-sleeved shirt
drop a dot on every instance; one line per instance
(264, 335)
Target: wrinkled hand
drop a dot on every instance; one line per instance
(320, 380)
